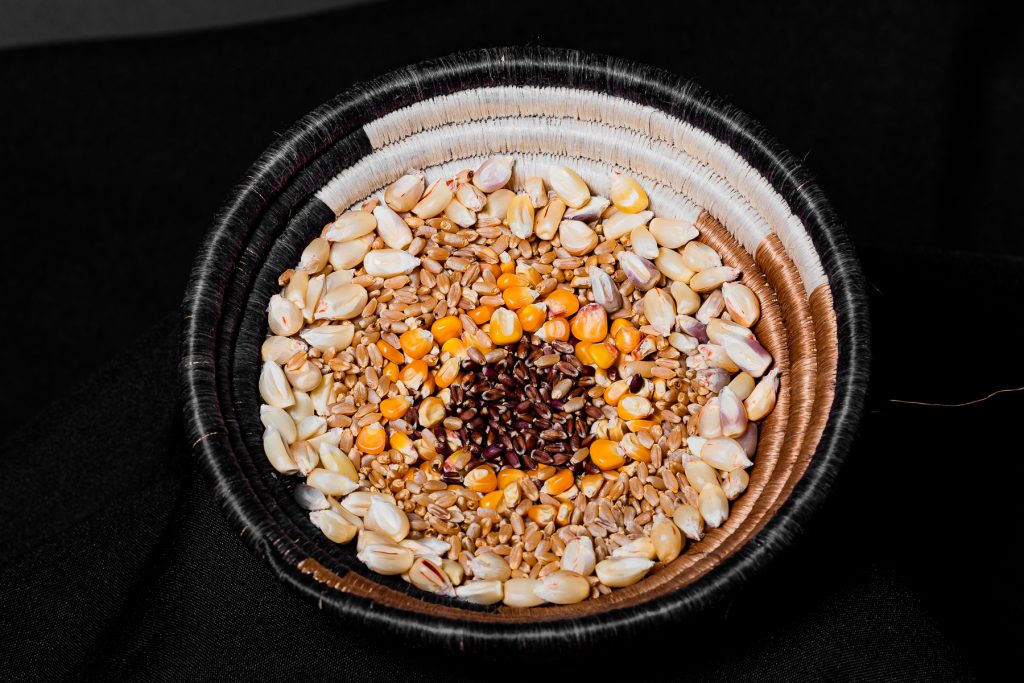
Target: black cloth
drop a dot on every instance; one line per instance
(115, 562)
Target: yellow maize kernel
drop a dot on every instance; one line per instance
(564, 514)
(429, 384)
(394, 408)
(590, 324)
(481, 314)
(401, 442)
(508, 267)
(448, 327)
(633, 407)
(582, 352)
(390, 352)
(618, 324)
(431, 411)
(606, 454)
(627, 338)
(640, 425)
(614, 392)
(481, 479)
(509, 475)
(560, 482)
(590, 484)
(391, 371)
(455, 347)
(448, 373)
(371, 439)
(554, 330)
(626, 194)
(416, 343)
(506, 280)
(542, 515)
(562, 303)
(414, 374)
(505, 327)
(632, 447)
(603, 354)
(517, 297)
(532, 316)
(492, 500)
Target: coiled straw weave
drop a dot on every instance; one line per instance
(697, 157)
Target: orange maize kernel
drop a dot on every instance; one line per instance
(506, 280)
(606, 454)
(618, 324)
(391, 371)
(492, 500)
(394, 408)
(640, 425)
(532, 316)
(603, 354)
(614, 392)
(401, 442)
(390, 352)
(455, 347)
(542, 515)
(627, 338)
(634, 407)
(509, 475)
(505, 327)
(481, 479)
(481, 314)
(508, 267)
(582, 352)
(414, 374)
(371, 439)
(417, 343)
(554, 330)
(562, 303)
(447, 374)
(448, 327)
(517, 297)
(560, 482)
(590, 324)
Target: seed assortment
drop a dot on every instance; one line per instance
(530, 397)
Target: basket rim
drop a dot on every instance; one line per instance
(345, 115)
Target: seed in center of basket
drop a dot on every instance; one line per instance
(529, 408)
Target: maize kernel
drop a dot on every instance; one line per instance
(626, 194)
(614, 392)
(606, 454)
(448, 373)
(560, 482)
(506, 280)
(640, 425)
(371, 439)
(627, 338)
(448, 327)
(416, 343)
(505, 327)
(554, 330)
(603, 354)
(390, 352)
(632, 447)
(634, 407)
(394, 408)
(401, 442)
(491, 268)
(492, 500)
(532, 316)
(414, 374)
(517, 297)
(562, 303)
(590, 324)
(582, 352)
(391, 371)
(481, 479)
(508, 267)
(455, 347)
(509, 475)
(618, 324)
(542, 515)
(481, 314)
(431, 411)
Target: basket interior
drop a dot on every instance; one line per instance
(688, 174)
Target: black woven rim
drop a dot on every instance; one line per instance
(272, 213)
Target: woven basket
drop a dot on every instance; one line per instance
(696, 156)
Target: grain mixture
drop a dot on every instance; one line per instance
(524, 397)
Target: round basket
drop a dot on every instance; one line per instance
(697, 157)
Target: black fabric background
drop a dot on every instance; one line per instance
(115, 561)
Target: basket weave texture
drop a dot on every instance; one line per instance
(697, 157)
